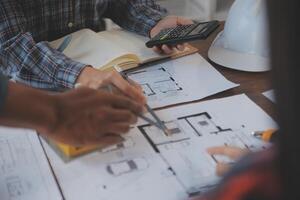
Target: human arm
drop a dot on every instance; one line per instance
(138, 16)
(78, 117)
(28, 61)
(233, 153)
(144, 17)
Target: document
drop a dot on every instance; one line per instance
(106, 49)
(151, 165)
(25, 172)
(270, 94)
(182, 80)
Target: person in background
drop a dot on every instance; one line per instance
(273, 174)
(79, 117)
(26, 25)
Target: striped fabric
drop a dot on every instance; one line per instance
(26, 25)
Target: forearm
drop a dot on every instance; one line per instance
(28, 108)
(37, 64)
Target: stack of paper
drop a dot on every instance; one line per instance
(25, 172)
(148, 164)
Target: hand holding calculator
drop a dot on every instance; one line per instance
(183, 33)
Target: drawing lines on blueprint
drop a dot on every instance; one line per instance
(128, 143)
(156, 82)
(25, 170)
(127, 166)
(185, 150)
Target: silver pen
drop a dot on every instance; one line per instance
(65, 43)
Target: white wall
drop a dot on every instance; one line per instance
(202, 10)
(198, 9)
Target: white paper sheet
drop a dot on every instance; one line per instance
(182, 80)
(270, 94)
(151, 165)
(24, 169)
(130, 171)
(97, 49)
(88, 47)
(186, 79)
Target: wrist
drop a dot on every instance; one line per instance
(28, 108)
(85, 75)
(154, 27)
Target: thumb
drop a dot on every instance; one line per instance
(184, 21)
(222, 168)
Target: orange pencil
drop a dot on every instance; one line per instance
(269, 135)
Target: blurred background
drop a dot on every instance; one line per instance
(200, 10)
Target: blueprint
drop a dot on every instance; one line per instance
(149, 164)
(270, 94)
(177, 81)
(24, 169)
(182, 80)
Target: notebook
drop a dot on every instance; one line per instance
(118, 48)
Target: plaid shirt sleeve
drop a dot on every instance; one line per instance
(35, 64)
(138, 16)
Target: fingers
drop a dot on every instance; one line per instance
(232, 152)
(129, 90)
(222, 168)
(164, 49)
(111, 115)
(93, 78)
(167, 49)
(184, 21)
(135, 84)
(180, 47)
(157, 50)
(121, 102)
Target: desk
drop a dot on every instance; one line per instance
(252, 84)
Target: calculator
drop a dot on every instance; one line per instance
(183, 33)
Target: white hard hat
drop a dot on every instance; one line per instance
(243, 45)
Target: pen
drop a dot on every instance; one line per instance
(162, 126)
(65, 43)
(269, 135)
(149, 63)
(159, 124)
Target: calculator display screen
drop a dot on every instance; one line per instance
(200, 28)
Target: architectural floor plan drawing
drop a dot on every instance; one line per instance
(149, 164)
(166, 84)
(25, 173)
(131, 172)
(156, 81)
(185, 149)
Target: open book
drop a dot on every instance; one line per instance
(109, 49)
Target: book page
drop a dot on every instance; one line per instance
(132, 43)
(25, 172)
(90, 48)
(107, 48)
(130, 170)
(150, 165)
(135, 44)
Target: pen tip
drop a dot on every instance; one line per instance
(168, 132)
